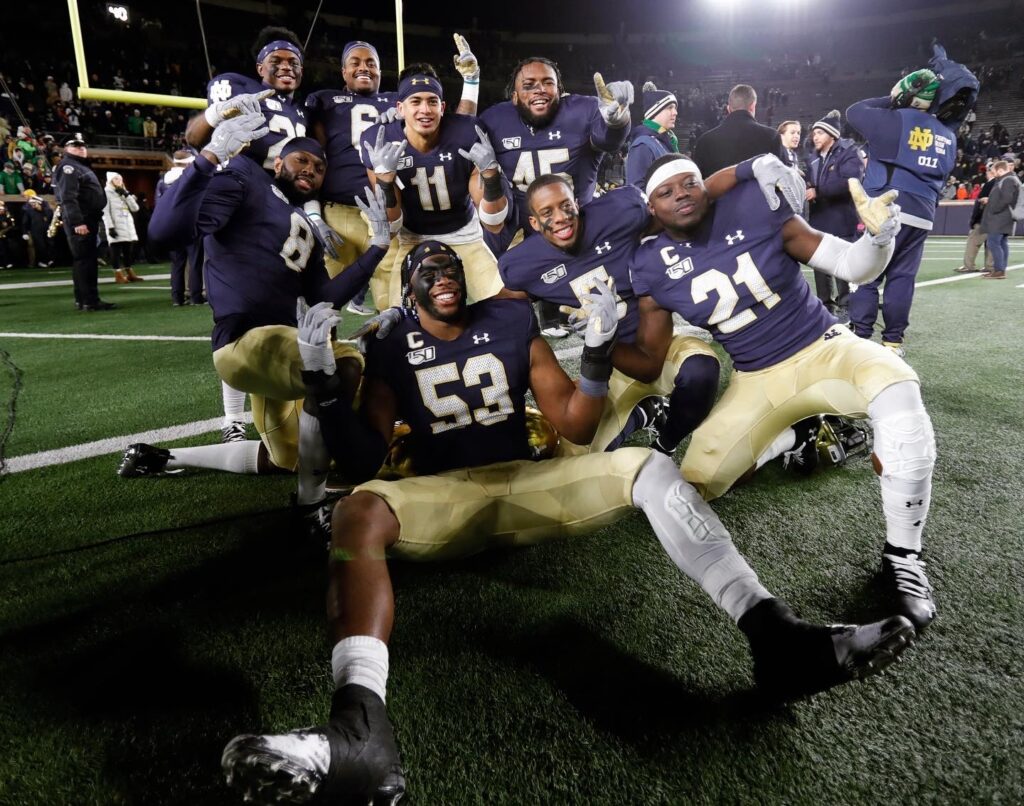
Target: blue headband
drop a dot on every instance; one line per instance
(278, 44)
(304, 144)
(358, 43)
(419, 83)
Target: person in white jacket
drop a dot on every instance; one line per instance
(121, 234)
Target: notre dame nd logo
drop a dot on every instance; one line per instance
(920, 139)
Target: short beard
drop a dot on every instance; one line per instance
(538, 121)
(286, 184)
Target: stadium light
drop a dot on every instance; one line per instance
(119, 13)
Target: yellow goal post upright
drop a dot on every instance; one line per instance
(87, 93)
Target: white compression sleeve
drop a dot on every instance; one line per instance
(695, 538)
(858, 262)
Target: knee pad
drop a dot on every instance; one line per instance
(698, 372)
(903, 434)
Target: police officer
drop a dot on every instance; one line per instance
(82, 200)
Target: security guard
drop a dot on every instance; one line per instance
(82, 200)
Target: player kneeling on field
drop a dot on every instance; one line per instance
(458, 375)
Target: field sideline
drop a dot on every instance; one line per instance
(145, 622)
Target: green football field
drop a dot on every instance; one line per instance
(145, 622)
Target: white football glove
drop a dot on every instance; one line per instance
(613, 100)
(389, 115)
(481, 154)
(233, 107)
(465, 61)
(603, 319)
(329, 239)
(380, 326)
(233, 135)
(771, 174)
(881, 215)
(384, 156)
(315, 335)
(375, 210)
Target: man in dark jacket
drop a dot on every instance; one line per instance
(82, 200)
(654, 137)
(738, 137)
(831, 208)
(975, 237)
(35, 219)
(997, 221)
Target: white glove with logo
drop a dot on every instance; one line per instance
(233, 135)
(315, 326)
(465, 61)
(375, 210)
(771, 174)
(613, 100)
(385, 156)
(233, 107)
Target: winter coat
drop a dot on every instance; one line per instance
(997, 219)
(117, 216)
(832, 209)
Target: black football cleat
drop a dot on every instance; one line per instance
(793, 658)
(353, 758)
(802, 459)
(903, 573)
(141, 459)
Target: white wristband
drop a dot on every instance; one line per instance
(213, 117)
(312, 208)
(396, 225)
(471, 91)
(493, 218)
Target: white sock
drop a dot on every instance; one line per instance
(234, 404)
(363, 660)
(905, 447)
(782, 443)
(314, 460)
(234, 457)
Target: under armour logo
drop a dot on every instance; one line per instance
(416, 81)
(447, 155)
(555, 135)
(918, 503)
(483, 338)
(601, 248)
(737, 237)
(830, 334)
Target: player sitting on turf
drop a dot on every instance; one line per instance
(458, 375)
(732, 266)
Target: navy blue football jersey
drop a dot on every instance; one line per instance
(610, 229)
(284, 114)
(435, 185)
(909, 150)
(571, 144)
(735, 279)
(464, 400)
(345, 115)
(261, 254)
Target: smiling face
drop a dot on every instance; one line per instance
(439, 287)
(360, 72)
(536, 94)
(422, 113)
(679, 203)
(299, 175)
(555, 215)
(282, 70)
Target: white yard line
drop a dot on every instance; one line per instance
(100, 337)
(51, 283)
(87, 450)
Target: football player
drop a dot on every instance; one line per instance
(542, 129)
(261, 255)
(911, 145)
(581, 246)
(279, 58)
(338, 118)
(435, 173)
(458, 375)
(733, 266)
